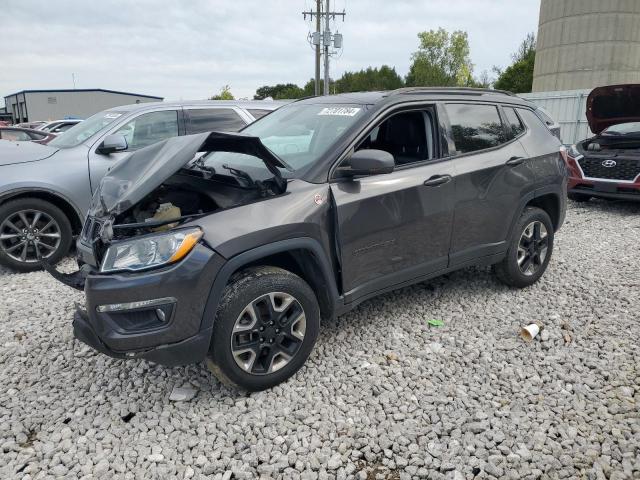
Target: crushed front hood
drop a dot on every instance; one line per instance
(23, 152)
(613, 105)
(137, 175)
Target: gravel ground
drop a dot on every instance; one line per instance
(384, 395)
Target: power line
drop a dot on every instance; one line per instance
(323, 39)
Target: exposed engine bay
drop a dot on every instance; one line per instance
(190, 193)
(602, 144)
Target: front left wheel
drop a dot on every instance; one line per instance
(32, 229)
(265, 328)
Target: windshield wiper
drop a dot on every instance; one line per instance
(240, 174)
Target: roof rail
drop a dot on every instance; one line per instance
(453, 90)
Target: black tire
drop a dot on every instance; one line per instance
(579, 197)
(56, 247)
(252, 288)
(520, 275)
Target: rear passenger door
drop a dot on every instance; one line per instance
(493, 175)
(218, 119)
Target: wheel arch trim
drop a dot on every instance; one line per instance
(536, 194)
(25, 192)
(245, 258)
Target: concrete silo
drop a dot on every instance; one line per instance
(583, 44)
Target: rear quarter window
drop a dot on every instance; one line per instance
(475, 126)
(214, 119)
(513, 121)
(533, 121)
(257, 113)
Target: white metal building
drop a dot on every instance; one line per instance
(32, 105)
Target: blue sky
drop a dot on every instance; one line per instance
(189, 50)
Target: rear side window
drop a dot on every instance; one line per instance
(214, 119)
(257, 113)
(475, 126)
(514, 121)
(150, 128)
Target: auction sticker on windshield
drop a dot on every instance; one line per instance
(340, 111)
(112, 115)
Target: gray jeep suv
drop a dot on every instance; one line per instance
(233, 246)
(45, 190)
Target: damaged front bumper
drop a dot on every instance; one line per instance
(157, 315)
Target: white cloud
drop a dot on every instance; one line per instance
(191, 49)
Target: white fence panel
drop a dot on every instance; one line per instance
(568, 108)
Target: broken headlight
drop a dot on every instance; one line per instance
(150, 251)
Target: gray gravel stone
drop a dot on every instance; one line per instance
(383, 395)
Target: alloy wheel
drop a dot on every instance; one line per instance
(532, 248)
(27, 235)
(268, 333)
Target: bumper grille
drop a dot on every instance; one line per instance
(90, 230)
(624, 169)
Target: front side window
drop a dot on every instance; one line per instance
(214, 120)
(513, 121)
(475, 126)
(149, 128)
(408, 136)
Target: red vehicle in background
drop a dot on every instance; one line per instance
(607, 165)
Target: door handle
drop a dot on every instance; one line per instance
(513, 161)
(437, 180)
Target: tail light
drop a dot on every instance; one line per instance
(564, 154)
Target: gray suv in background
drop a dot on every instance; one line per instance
(233, 246)
(45, 190)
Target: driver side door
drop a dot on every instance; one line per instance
(140, 131)
(394, 228)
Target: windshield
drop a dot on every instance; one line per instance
(83, 130)
(623, 129)
(298, 134)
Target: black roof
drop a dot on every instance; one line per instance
(84, 90)
(410, 93)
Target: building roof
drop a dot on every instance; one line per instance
(62, 90)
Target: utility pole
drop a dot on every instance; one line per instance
(323, 39)
(326, 37)
(317, 77)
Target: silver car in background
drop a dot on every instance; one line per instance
(45, 190)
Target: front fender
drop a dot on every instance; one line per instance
(250, 256)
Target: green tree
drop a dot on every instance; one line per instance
(371, 79)
(281, 91)
(225, 94)
(442, 59)
(518, 77)
(309, 87)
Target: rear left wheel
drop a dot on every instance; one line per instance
(265, 328)
(529, 250)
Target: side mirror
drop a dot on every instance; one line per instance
(369, 162)
(111, 144)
